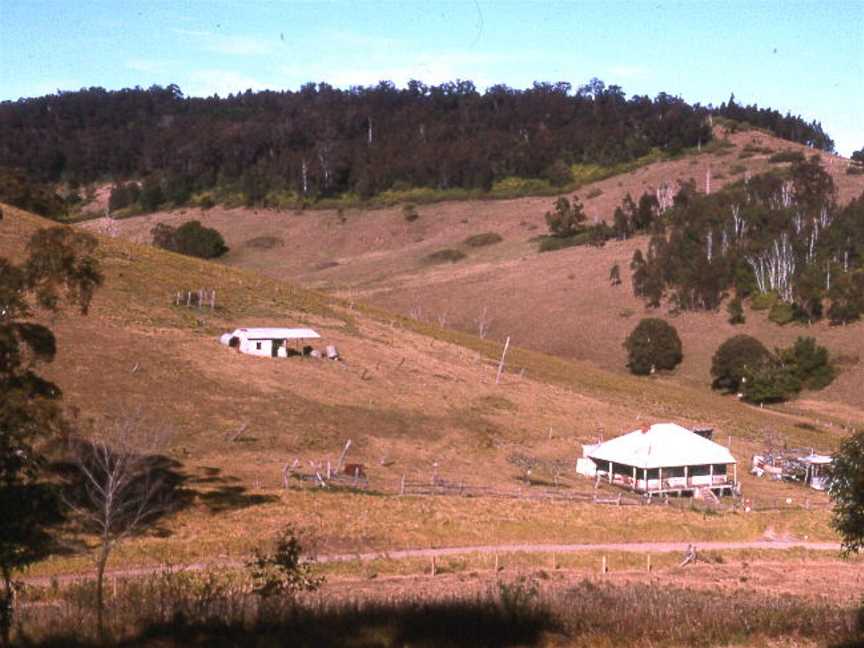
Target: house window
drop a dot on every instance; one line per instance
(257, 346)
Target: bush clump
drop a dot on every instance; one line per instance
(191, 239)
(410, 213)
(743, 364)
(787, 156)
(481, 240)
(123, 195)
(558, 174)
(447, 255)
(735, 359)
(653, 345)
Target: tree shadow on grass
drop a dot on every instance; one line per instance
(176, 489)
(468, 623)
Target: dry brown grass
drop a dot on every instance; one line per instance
(559, 303)
(410, 396)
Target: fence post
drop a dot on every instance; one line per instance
(497, 565)
(604, 567)
(648, 563)
(402, 486)
(433, 565)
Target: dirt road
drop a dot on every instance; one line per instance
(398, 554)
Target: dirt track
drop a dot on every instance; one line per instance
(438, 552)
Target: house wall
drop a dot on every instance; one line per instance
(257, 347)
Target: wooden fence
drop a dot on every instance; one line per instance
(438, 487)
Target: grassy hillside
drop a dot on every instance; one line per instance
(414, 398)
(559, 303)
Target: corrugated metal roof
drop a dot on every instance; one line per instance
(662, 445)
(276, 333)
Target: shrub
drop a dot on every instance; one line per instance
(787, 156)
(736, 311)
(191, 239)
(123, 195)
(594, 193)
(653, 345)
(558, 174)
(567, 219)
(486, 238)
(763, 301)
(781, 313)
(19, 191)
(447, 255)
(151, 194)
(810, 363)
(410, 213)
(553, 243)
(265, 242)
(855, 170)
(735, 169)
(770, 383)
(735, 359)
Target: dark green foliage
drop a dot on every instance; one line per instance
(788, 127)
(151, 194)
(781, 313)
(59, 266)
(481, 240)
(743, 364)
(255, 185)
(567, 219)
(191, 239)
(771, 382)
(737, 358)
(447, 255)
(124, 195)
(647, 281)
(809, 362)
(558, 174)
(319, 141)
(632, 218)
(847, 298)
(846, 488)
(735, 309)
(18, 190)
(787, 156)
(858, 156)
(781, 240)
(553, 243)
(653, 345)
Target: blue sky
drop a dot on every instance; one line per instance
(804, 57)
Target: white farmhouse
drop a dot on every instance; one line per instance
(269, 342)
(662, 458)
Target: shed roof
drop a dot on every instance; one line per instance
(276, 333)
(662, 445)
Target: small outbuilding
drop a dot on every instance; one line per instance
(663, 458)
(270, 342)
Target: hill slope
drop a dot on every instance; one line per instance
(559, 303)
(413, 398)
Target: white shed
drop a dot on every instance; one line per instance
(663, 458)
(269, 342)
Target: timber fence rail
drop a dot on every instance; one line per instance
(438, 487)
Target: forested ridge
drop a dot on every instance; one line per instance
(322, 141)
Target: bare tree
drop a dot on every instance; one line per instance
(118, 488)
